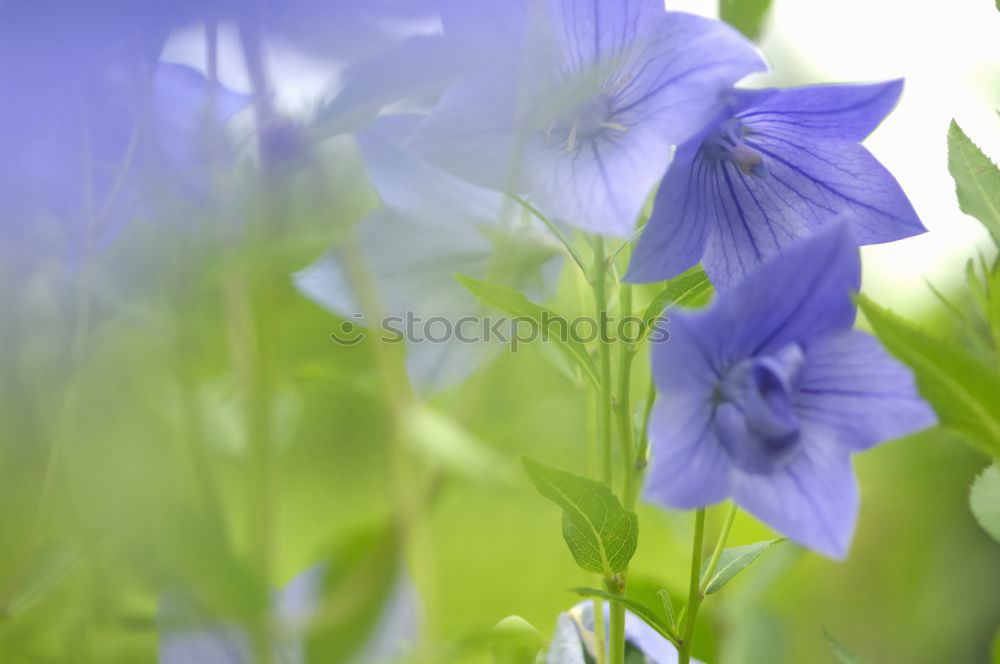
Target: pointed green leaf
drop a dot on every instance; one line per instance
(961, 388)
(734, 560)
(641, 610)
(514, 303)
(977, 180)
(601, 534)
(984, 499)
(747, 16)
(691, 287)
(843, 654)
(668, 607)
(993, 307)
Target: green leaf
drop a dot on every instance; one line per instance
(734, 560)
(601, 534)
(977, 180)
(50, 565)
(647, 614)
(668, 607)
(961, 388)
(993, 307)
(747, 16)
(691, 287)
(514, 303)
(843, 654)
(984, 499)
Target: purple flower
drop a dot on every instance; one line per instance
(116, 142)
(764, 397)
(576, 103)
(773, 168)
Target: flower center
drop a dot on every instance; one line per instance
(754, 417)
(729, 142)
(588, 120)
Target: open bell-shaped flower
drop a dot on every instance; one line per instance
(764, 397)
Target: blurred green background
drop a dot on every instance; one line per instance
(133, 400)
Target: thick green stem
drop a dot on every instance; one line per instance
(600, 286)
(615, 584)
(623, 404)
(616, 623)
(694, 594)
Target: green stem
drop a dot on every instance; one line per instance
(555, 230)
(599, 284)
(623, 406)
(699, 581)
(694, 595)
(602, 653)
(599, 279)
(617, 626)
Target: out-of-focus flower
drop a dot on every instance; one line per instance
(765, 396)
(95, 131)
(773, 168)
(432, 226)
(577, 103)
(573, 642)
(186, 638)
(128, 146)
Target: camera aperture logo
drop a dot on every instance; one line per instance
(514, 332)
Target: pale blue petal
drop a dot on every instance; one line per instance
(407, 183)
(678, 74)
(656, 648)
(841, 111)
(471, 132)
(595, 31)
(851, 387)
(675, 236)
(804, 173)
(419, 65)
(688, 465)
(485, 33)
(188, 135)
(629, 80)
(602, 186)
(813, 500)
(808, 184)
(800, 295)
(566, 646)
